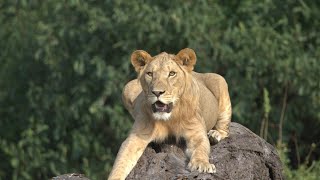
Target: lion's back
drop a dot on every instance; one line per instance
(210, 86)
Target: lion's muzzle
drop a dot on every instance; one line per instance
(158, 106)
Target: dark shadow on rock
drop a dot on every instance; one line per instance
(243, 155)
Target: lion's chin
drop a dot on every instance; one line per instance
(164, 116)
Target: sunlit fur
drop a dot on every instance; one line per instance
(200, 103)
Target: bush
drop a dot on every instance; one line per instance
(303, 172)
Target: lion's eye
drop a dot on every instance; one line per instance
(149, 74)
(172, 73)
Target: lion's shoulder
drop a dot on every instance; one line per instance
(130, 92)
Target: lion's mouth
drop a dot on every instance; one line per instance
(161, 107)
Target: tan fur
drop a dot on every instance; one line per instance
(201, 104)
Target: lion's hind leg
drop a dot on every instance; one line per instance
(221, 129)
(214, 136)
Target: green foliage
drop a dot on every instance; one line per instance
(63, 65)
(304, 172)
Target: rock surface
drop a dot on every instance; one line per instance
(72, 176)
(243, 155)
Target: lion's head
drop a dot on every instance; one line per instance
(163, 79)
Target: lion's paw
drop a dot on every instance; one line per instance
(202, 166)
(214, 136)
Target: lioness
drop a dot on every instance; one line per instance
(169, 98)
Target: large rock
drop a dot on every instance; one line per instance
(243, 155)
(71, 176)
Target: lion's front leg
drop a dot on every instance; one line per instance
(198, 150)
(128, 155)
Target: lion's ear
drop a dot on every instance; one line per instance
(140, 58)
(187, 57)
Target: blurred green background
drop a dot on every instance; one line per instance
(63, 65)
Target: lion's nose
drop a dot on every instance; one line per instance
(158, 93)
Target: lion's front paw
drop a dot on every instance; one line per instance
(214, 136)
(202, 166)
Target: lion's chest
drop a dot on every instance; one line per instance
(164, 129)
